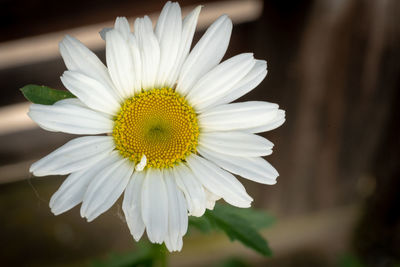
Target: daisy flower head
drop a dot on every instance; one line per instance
(159, 125)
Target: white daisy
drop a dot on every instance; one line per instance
(159, 124)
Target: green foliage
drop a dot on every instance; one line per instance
(239, 228)
(349, 260)
(239, 224)
(203, 224)
(44, 95)
(233, 262)
(256, 218)
(147, 255)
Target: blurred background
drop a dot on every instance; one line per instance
(334, 67)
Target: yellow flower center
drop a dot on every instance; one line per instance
(159, 124)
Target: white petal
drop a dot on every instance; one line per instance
(255, 76)
(220, 80)
(155, 206)
(177, 246)
(149, 51)
(78, 57)
(103, 32)
(120, 63)
(242, 116)
(70, 116)
(219, 182)
(273, 124)
(192, 189)
(137, 63)
(255, 169)
(94, 94)
(75, 155)
(177, 213)
(211, 199)
(207, 53)
(132, 206)
(72, 191)
(239, 144)
(168, 244)
(122, 25)
(71, 101)
(168, 31)
(188, 30)
(106, 187)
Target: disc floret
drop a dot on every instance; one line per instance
(158, 123)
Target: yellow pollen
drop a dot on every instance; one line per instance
(159, 124)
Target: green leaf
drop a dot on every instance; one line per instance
(233, 262)
(237, 227)
(44, 95)
(146, 255)
(202, 224)
(125, 260)
(257, 218)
